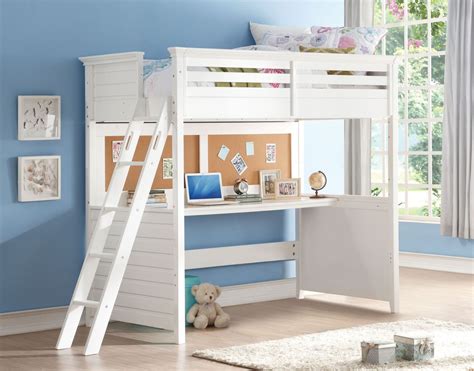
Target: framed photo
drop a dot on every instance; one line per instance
(287, 188)
(267, 182)
(39, 178)
(39, 117)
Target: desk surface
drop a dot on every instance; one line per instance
(266, 205)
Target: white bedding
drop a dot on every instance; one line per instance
(157, 77)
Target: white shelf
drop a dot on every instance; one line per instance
(266, 205)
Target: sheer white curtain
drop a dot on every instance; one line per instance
(357, 132)
(457, 208)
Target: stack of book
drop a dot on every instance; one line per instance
(244, 198)
(156, 198)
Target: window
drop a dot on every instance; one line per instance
(416, 33)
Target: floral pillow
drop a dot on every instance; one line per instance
(363, 39)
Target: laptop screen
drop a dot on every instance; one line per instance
(204, 187)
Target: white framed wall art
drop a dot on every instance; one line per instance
(39, 117)
(39, 178)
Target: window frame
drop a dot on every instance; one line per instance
(404, 187)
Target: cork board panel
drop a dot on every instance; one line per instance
(255, 163)
(191, 160)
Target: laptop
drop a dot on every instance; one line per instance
(205, 189)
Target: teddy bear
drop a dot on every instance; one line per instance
(207, 312)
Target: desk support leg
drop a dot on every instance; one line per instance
(394, 306)
(299, 250)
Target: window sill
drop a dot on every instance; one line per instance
(415, 219)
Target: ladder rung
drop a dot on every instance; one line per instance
(117, 208)
(131, 163)
(102, 255)
(86, 303)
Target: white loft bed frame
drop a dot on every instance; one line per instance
(344, 245)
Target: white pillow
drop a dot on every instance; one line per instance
(288, 42)
(259, 30)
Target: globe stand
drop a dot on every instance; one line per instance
(316, 195)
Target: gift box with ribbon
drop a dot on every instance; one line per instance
(414, 347)
(377, 352)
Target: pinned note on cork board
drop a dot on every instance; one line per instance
(238, 144)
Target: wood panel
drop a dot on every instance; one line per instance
(191, 160)
(143, 302)
(154, 216)
(146, 230)
(141, 273)
(255, 163)
(155, 289)
(255, 107)
(143, 317)
(358, 262)
(245, 254)
(147, 259)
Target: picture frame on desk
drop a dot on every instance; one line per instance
(287, 188)
(267, 183)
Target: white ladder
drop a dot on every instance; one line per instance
(95, 252)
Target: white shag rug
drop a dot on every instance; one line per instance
(340, 349)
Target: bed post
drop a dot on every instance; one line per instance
(90, 189)
(298, 213)
(90, 174)
(177, 110)
(392, 73)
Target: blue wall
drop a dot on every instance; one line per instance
(42, 242)
(324, 150)
(425, 238)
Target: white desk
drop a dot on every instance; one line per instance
(265, 205)
(343, 245)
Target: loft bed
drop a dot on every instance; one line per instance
(114, 85)
(345, 244)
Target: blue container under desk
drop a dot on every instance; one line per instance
(190, 281)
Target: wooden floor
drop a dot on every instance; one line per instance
(437, 295)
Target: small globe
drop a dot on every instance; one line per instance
(317, 181)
